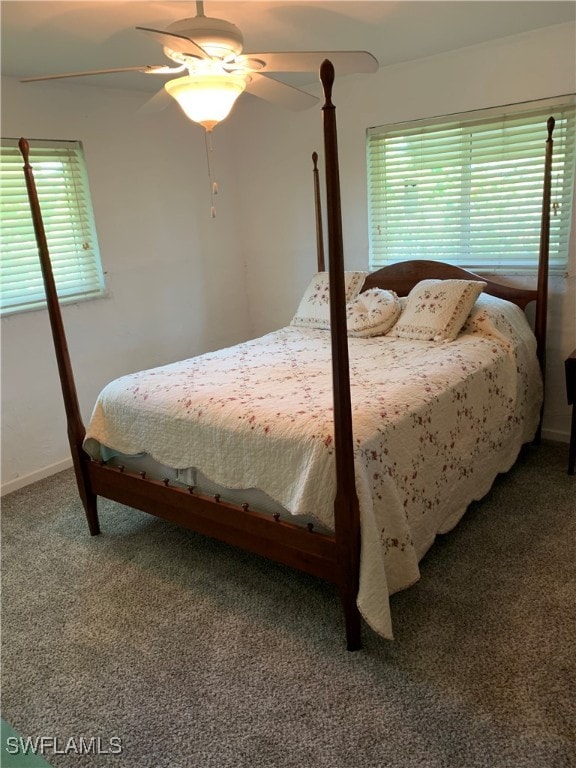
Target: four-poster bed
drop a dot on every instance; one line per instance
(351, 446)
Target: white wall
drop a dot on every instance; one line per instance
(279, 241)
(176, 280)
(182, 283)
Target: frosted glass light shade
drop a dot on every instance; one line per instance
(206, 98)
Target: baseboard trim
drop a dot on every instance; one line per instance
(555, 435)
(33, 477)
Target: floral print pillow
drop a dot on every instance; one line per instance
(436, 310)
(314, 308)
(372, 313)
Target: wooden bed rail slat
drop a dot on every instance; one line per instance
(283, 542)
(346, 508)
(76, 430)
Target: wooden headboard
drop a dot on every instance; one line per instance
(404, 275)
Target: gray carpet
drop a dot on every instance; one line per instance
(197, 655)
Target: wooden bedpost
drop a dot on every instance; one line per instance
(76, 429)
(346, 508)
(318, 210)
(542, 286)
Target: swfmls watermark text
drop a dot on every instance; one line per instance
(55, 745)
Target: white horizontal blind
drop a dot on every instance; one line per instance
(62, 186)
(468, 191)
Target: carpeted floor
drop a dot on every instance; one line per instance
(191, 654)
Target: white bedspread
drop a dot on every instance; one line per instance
(433, 426)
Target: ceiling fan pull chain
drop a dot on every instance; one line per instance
(213, 184)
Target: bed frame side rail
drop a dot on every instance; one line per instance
(294, 545)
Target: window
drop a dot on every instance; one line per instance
(467, 189)
(62, 185)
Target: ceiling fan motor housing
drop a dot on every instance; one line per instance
(217, 37)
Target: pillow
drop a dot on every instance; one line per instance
(496, 318)
(314, 308)
(436, 310)
(372, 313)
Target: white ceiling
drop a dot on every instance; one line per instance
(53, 37)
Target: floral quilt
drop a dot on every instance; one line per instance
(434, 423)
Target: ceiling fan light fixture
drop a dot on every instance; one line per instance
(207, 98)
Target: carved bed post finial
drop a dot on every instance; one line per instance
(318, 210)
(346, 508)
(76, 431)
(24, 150)
(327, 79)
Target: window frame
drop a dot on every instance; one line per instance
(381, 199)
(61, 178)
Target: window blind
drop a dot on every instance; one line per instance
(468, 190)
(64, 197)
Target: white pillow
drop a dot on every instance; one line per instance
(498, 318)
(372, 313)
(314, 308)
(436, 310)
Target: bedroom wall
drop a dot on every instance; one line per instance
(278, 226)
(175, 278)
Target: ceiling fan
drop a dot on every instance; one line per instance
(210, 50)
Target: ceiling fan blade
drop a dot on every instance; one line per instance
(279, 93)
(345, 62)
(177, 43)
(161, 100)
(150, 69)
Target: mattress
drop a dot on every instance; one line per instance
(434, 423)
